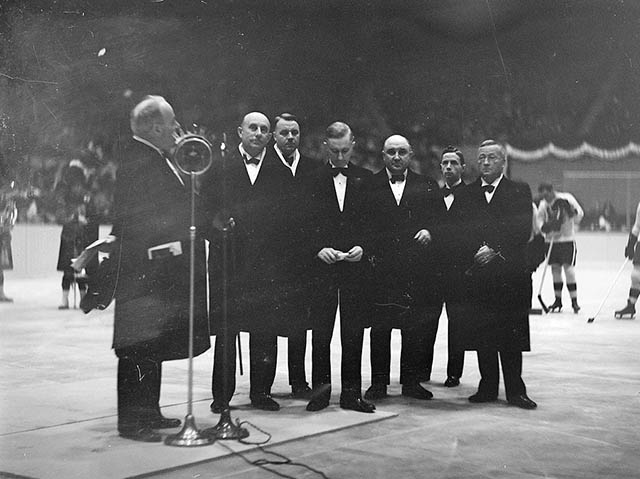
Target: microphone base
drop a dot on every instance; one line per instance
(226, 429)
(189, 436)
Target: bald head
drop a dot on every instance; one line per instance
(397, 154)
(254, 132)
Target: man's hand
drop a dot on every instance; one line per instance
(484, 255)
(551, 226)
(423, 237)
(354, 254)
(329, 255)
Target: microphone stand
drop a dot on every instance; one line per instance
(225, 429)
(190, 436)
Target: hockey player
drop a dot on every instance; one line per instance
(633, 253)
(559, 213)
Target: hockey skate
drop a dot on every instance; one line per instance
(628, 310)
(556, 307)
(574, 305)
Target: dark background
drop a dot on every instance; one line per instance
(440, 72)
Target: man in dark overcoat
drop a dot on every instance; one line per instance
(247, 195)
(151, 223)
(338, 203)
(404, 207)
(497, 218)
(294, 222)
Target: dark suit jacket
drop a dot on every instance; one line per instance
(403, 268)
(152, 207)
(260, 297)
(340, 230)
(498, 294)
(449, 244)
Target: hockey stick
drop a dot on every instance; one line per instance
(591, 319)
(544, 273)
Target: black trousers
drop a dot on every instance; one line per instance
(323, 313)
(296, 350)
(263, 353)
(455, 359)
(410, 355)
(138, 392)
(511, 362)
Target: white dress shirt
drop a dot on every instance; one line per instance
(398, 187)
(448, 200)
(340, 185)
(252, 170)
(495, 184)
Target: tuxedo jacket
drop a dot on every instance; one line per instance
(341, 230)
(258, 295)
(449, 244)
(499, 293)
(399, 261)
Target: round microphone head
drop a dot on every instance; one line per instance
(193, 155)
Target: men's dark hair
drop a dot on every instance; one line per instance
(338, 129)
(545, 187)
(284, 117)
(455, 151)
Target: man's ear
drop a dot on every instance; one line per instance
(240, 132)
(156, 129)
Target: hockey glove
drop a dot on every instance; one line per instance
(630, 250)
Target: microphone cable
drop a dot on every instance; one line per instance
(262, 463)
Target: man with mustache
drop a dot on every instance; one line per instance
(286, 133)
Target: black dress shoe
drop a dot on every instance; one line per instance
(357, 404)
(523, 402)
(264, 402)
(416, 391)
(162, 422)
(300, 391)
(452, 382)
(142, 434)
(318, 403)
(375, 392)
(481, 397)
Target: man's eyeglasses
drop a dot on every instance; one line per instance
(491, 157)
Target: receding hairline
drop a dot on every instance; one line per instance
(397, 138)
(257, 114)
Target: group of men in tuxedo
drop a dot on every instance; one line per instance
(292, 241)
(389, 249)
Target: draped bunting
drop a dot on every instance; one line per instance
(583, 150)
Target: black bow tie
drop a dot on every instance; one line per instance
(288, 159)
(251, 161)
(396, 178)
(488, 188)
(336, 171)
(447, 191)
